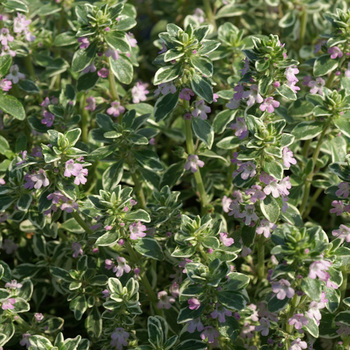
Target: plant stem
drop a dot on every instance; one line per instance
(344, 285)
(302, 28)
(311, 175)
(209, 12)
(112, 84)
(152, 296)
(139, 191)
(294, 303)
(84, 119)
(197, 175)
(312, 202)
(261, 258)
(29, 66)
(82, 223)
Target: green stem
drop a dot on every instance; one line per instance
(139, 191)
(312, 202)
(302, 28)
(28, 62)
(294, 304)
(344, 285)
(197, 175)
(152, 296)
(306, 148)
(209, 12)
(311, 175)
(82, 223)
(84, 119)
(261, 258)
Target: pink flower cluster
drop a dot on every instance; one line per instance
(76, 170)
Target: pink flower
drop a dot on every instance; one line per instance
(14, 74)
(137, 230)
(338, 208)
(116, 109)
(249, 215)
(121, 267)
(40, 179)
(226, 241)
(201, 110)
(103, 73)
(298, 344)
(195, 324)
(288, 158)
(91, 104)
(316, 86)
(48, 119)
(220, 313)
(5, 85)
(265, 227)
(241, 128)
(335, 52)
(5, 36)
(343, 232)
(25, 340)
(283, 289)
(256, 193)
(240, 93)
(193, 163)
(269, 104)
(210, 334)
(319, 268)
(119, 338)
(298, 320)
(226, 202)
(165, 89)
(77, 249)
(248, 170)
(38, 316)
(84, 43)
(174, 289)
(131, 39)
(112, 53)
(139, 92)
(8, 304)
(194, 304)
(343, 190)
(254, 96)
(165, 300)
(264, 326)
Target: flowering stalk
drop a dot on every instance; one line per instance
(209, 12)
(302, 28)
(82, 223)
(197, 175)
(311, 175)
(261, 258)
(84, 119)
(139, 191)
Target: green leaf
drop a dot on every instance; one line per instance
(138, 215)
(191, 344)
(202, 87)
(203, 65)
(93, 323)
(286, 92)
(229, 142)
(307, 130)
(248, 235)
(288, 19)
(343, 124)
(186, 314)
(83, 57)
(78, 305)
(156, 334)
(292, 215)
(28, 86)
(4, 145)
(222, 119)
(65, 39)
(21, 305)
(24, 202)
(167, 73)
(312, 288)
(172, 174)
(71, 225)
(123, 69)
(300, 109)
(108, 239)
(165, 105)
(312, 328)
(149, 247)
(274, 168)
(343, 317)
(203, 130)
(87, 81)
(275, 305)
(112, 176)
(39, 342)
(270, 208)
(117, 41)
(5, 64)
(7, 331)
(236, 281)
(9, 104)
(16, 5)
(231, 300)
(324, 65)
